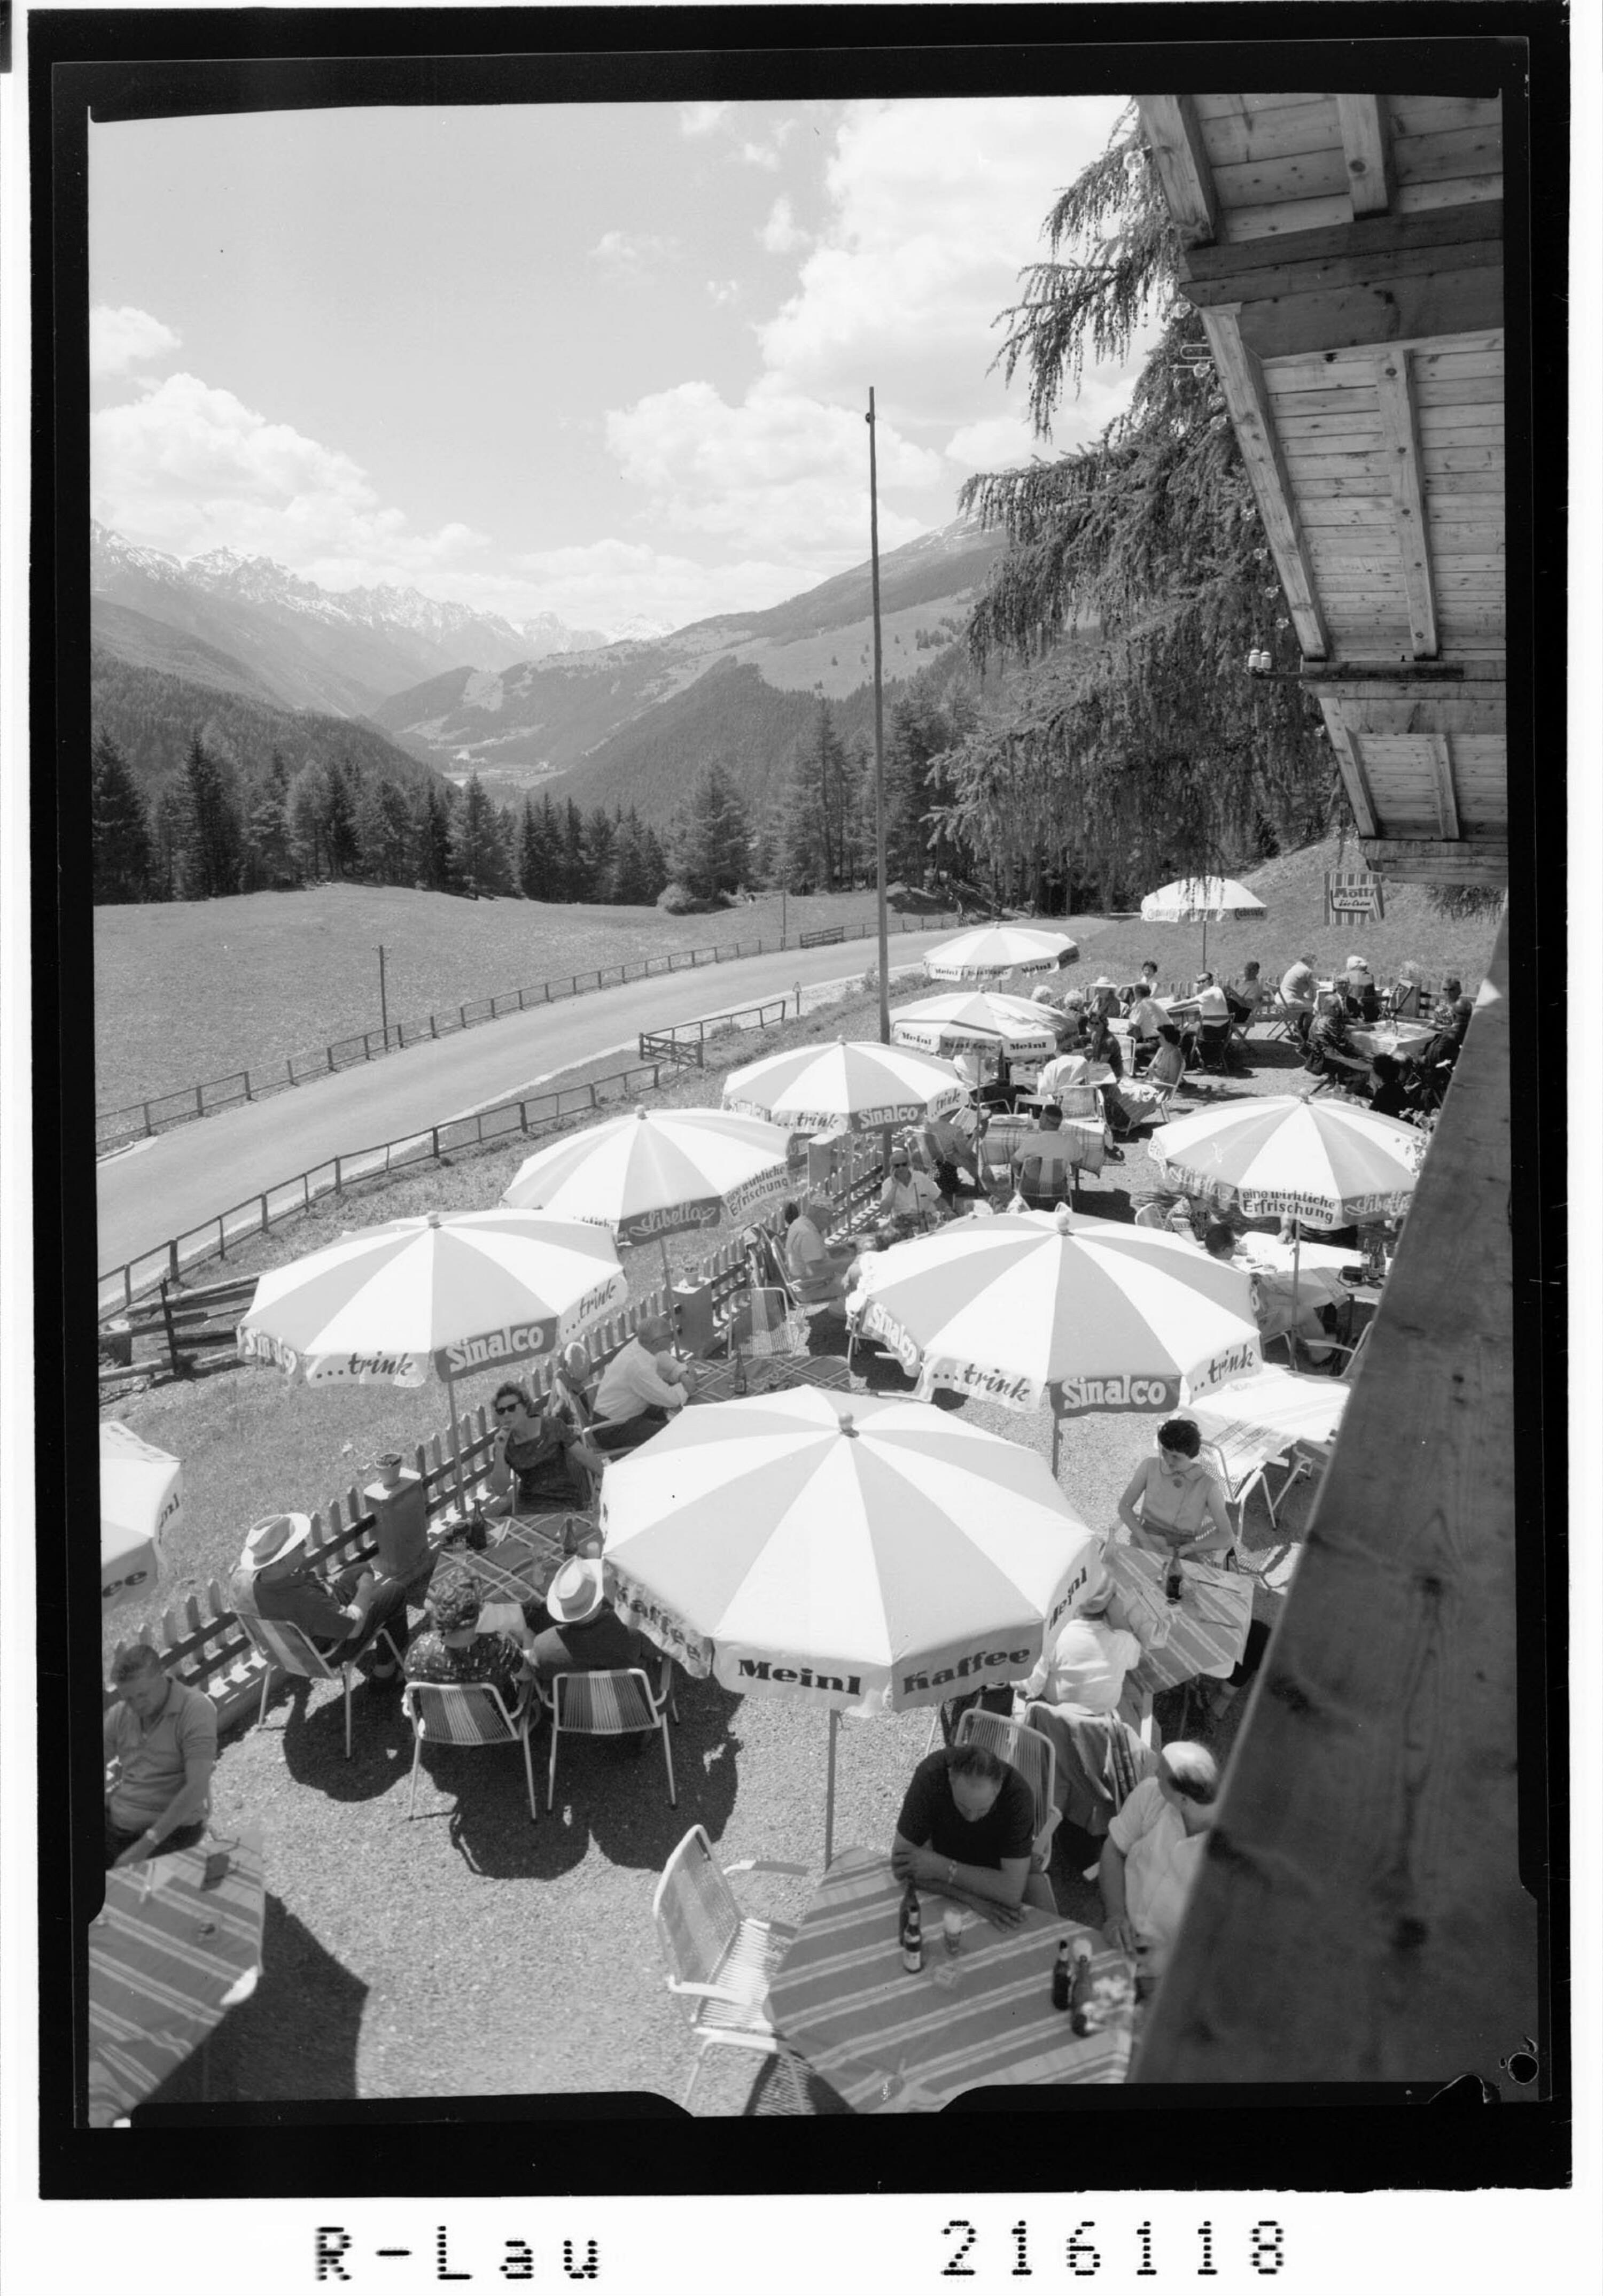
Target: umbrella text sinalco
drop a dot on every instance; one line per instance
(879, 1326)
(485, 1350)
(1119, 1393)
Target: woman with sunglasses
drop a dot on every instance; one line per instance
(541, 1453)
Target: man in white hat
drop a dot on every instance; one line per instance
(586, 1634)
(275, 1579)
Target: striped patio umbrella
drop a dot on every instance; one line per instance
(852, 1083)
(1046, 1307)
(856, 1553)
(657, 1173)
(448, 1294)
(1324, 1163)
(990, 950)
(141, 1502)
(974, 1021)
(1189, 900)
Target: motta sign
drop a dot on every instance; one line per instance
(1353, 893)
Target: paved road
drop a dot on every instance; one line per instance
(181, 1180)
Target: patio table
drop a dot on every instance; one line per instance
(167, 1958)
(770, 1375)
(890, 2042)
(1204, 1633)
(519, 1565)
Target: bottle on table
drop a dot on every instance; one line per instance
(1061, 1977)
(912, 1932)
(1172, 1577)
(1079, 1990)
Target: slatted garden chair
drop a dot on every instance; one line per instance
(283, 1648)
(469, 1714)
(613, 1702)
(720, 1961)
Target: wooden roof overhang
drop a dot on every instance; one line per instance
(1346, 253)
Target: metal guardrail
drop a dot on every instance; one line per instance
(140, 1119)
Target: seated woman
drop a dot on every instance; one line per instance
(452, 1649)
(543, 1453)
(1183, 1509)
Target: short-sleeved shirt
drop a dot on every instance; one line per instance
(155, 1761)
(804, 1247)
(1161, 1862)
(910, 1198)
(930, 1816)
(1212, 1003)
(1146, 1016)
(492, 1658)
(1087, 1666)
(632, 1382)
(1299, 986)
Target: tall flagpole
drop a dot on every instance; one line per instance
(873, 533)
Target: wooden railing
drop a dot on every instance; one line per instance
(1363, 1914)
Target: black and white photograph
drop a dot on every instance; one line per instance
(794, 906)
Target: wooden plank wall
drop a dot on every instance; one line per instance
(1360, 1915)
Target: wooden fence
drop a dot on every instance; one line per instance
(141, 1119)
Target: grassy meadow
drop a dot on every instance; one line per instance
(188, 990)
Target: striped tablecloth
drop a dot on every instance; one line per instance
(520, 1565)
(1204, 1633)
(889, 2042)
(769, 1374)
(163, 1968)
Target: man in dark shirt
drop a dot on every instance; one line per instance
(584, 1634)
(275, 1579)
(1329, 1055)
(966, 1830)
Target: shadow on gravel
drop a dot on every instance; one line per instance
(313, 1738)
(295, 2038)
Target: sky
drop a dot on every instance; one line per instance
(606, 361)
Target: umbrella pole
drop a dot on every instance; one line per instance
(456, 1446)
(829, 1807)
(1297, 1261)
(667, 1281)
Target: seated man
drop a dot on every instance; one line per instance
(582, 1634)
(1329, 1055)
(642, 1388)
(452, 1649)
(1215, 1021)
(1066, 1080)
(1359, 995)
(1246, 1000)
(1439, 1058)
(909, 1197)
(1298, 989)
(1043, 1162)
(949, 1147)
(275, 1579)
(965, 1832)
(1085, 1668)
(541, 1451)
(817, 1268)
(1154, 1851)
(162, 1736)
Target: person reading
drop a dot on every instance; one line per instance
(965, 1832)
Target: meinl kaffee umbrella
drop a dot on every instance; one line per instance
(657, 1173)
(1034, 1308)
(141, 1505)
(859, 1553)
(989, 951)
(445, 1295)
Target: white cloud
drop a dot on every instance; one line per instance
(187, 465)
(123, 337)
(723, 290)
(786, 471)
(701, 118)
(997, 442)
(781, 235)
(764, 151)
(632, 248)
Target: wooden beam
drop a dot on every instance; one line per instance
(1173, 136)
(1344, 268)
(1366, 138)
(1400, 430)
(1360, 1914)
(1445, 710)
(1247, 396)
(1408, 311)
(1441, 766)
(1435, 861)
(1349, 757)
(1369, 237)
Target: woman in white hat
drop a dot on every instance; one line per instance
(1085, 1668)
(584, 1635)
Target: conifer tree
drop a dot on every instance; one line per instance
(709, 852)
(120, 828)
(211, 849)
(539, 855)
(479, 855)
(432, 833)
(341, 846)
(576, 865)
(631, 880)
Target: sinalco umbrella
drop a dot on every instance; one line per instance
(864, 1087)
(862, 1554)
(466, 1292)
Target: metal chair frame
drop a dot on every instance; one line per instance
(657, 1705)
(1027, 1750)
(721, 1961)
(285, 1648)
(456, 1702)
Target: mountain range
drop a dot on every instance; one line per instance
(609, 716)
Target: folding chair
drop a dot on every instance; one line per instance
(721, 1961)
(469, 1714)
(283, 1646)
(613, 1702)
